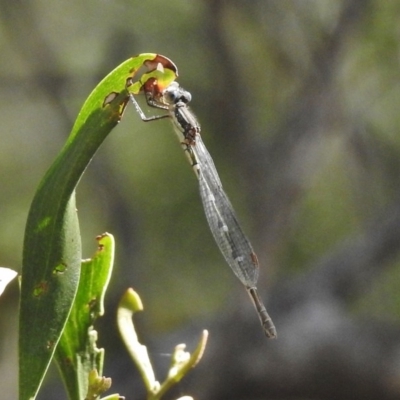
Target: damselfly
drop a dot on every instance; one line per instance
(219, 212)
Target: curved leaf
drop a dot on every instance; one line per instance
(52, 246)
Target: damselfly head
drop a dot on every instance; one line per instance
(175, 93)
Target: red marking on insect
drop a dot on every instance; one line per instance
(152, 90)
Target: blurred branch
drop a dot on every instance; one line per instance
(277, 164)
(274, 167)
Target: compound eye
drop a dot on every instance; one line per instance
(186, 97)
(172, 96)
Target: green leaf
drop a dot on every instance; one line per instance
(52, 245)
(77, 354)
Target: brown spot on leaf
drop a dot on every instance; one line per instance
(40, 289)
(164, 61)
(59, 269)
(254, 259)
(110, 98)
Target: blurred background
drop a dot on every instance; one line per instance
(299, 106)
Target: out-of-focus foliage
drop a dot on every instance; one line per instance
(298, 102)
